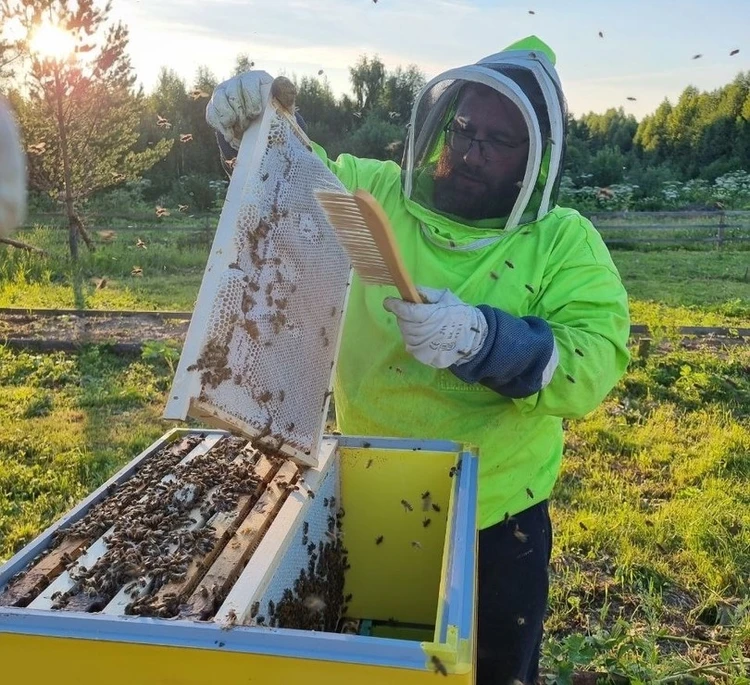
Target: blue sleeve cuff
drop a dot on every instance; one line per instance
(514, 356)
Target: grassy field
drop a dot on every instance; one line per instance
(667, 288)
(652, 510)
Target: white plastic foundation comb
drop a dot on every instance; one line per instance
(262, 344)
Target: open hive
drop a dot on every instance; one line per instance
(171, 540)
(207, 547)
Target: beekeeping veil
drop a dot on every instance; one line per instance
(525, 74)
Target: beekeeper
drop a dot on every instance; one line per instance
(526, 322)
(12, 172)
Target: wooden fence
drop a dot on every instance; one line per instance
(619, 229)
(707, 227)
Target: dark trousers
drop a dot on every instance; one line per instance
(513, 586)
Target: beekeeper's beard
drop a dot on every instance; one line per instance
(488, 192)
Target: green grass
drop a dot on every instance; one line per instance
(652, 525)
(68, 422)
(666, 288)
(651, 513)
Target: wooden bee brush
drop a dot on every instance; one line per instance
(365, 233)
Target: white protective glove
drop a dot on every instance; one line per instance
(12, 173)
(444, 332)
(235, 103)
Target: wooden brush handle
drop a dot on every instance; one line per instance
(382, 234)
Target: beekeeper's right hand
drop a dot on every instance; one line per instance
(12, 173)
(235, 103)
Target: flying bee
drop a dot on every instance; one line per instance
(520, 535)
(530, 493)
(163, 122)
(631, 98)
(254, 609)
(426, 523)
(369, 463)
(698, 56)
(493, 276)
(406, 505)
(183, 208)
(136, 271)
(379, 540)
(186, 137)
(601, 34)
(416, 544)
(733, 53)
(140, 243)
(320, 72)
(198, 94)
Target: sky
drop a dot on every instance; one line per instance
(646, 52)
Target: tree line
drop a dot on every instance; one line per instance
(94, 137)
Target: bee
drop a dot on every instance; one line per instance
(530, 288)
(530, 493)
(649, 523)
(570, 378)
(140, 243)
(521, 621)
(509, 264)
(186, 138)
(520, 535)
(578, 352)
(493, 276)
(369, 463)
(453, 471)
(631, 98)
(107, 236)
(136, 271)
(436, 663)
(436, 507)
(733, 53)
(37, 148)
(311, 494)
(379, 540)
(698, 56)
(314, 603)
(426, 523)
(416, 544)
(406, 505)
(320, 72)
(305, 527)
(282, 395)
(254, 609)
(198, 94)
(601, 34)
(583, 525)
(101, 284)
(325, 501)
(231, 620)
(163, 122)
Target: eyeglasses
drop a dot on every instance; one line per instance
(492, 150)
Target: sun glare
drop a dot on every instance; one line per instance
(51, 41)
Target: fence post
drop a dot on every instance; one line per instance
(720, 232)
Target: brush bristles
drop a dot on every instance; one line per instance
(354, 236)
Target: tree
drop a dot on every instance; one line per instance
(83, 111)
(242, 64)
(368, 80)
